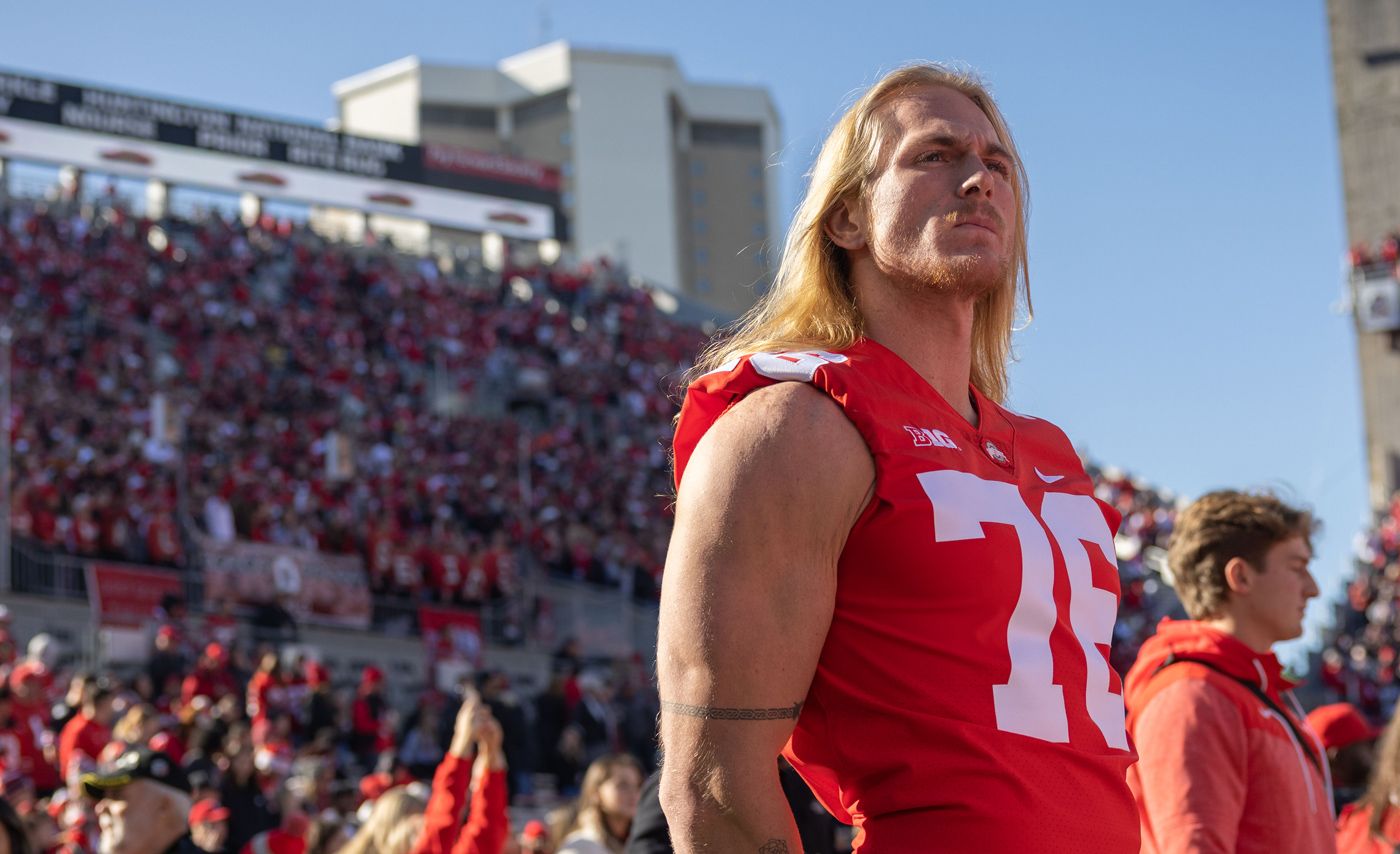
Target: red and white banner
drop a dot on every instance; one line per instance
(315, 587)
(127, 596)
(450, 634)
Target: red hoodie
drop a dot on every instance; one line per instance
(1219, 769)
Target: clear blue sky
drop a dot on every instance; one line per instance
(1186, 229)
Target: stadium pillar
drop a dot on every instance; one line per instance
(4, 179)
(6, 582)
(157, 199)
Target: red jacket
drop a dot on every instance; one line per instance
(1219, 769)
(487, 824)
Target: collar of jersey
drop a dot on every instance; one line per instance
(993, 425)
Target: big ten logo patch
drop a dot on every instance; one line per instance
(926, 438)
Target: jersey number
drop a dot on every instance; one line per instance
(1030, 703)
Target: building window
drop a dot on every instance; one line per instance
(697, 168)
(702, 256)
(755, 171)
(760, 231)
(566, 139)
(453, 116)
(697, 198)
(540, 109)
(726, 134)
(701, 227)
(702, 285)
(566, 169)
(566, 198)
(757, 200)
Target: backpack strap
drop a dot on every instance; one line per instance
(1258, 692)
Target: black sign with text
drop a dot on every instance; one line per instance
(208, 129)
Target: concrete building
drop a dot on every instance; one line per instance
(1366, 78)
(671, 176)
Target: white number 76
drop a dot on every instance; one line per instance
(1030, 703)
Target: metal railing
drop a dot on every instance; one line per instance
(606, 621)
(43, 572)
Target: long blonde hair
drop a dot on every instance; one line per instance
(811, 305)
(393, 826)
(587, 814)
(1384, 787)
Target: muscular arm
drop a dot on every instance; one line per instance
(762, 515)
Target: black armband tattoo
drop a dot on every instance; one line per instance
(774, 846)
(716, 714)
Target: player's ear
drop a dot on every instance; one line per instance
(1239, 575)
(845, 225)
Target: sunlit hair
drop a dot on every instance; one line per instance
(811, 305)
(587, 814)
(393, 824)
(131, 728)
(1384, 790)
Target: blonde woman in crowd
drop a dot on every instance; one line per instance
(605, 809)
(393, 824)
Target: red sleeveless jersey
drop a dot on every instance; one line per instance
(963, 699)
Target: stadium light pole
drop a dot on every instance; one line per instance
(6, 334)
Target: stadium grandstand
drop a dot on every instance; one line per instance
(276, 488)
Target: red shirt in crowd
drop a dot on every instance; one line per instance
(205, 682)
(162, 540)
(81, 741)
(265, 693)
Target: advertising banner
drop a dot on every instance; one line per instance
(127, 596)
(325, 589)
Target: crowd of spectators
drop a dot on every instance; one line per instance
(283, 748)
(1358, 658)
(465, 416)
(1148, 515)
(1385, 254)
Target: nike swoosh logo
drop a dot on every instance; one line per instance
(1049, 478)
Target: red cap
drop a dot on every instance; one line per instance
(374, 785)
(216, 651)
(166, 631)
(534, 829)
(317, 674)
(372, 676)
(1340, 724)
(207, 810)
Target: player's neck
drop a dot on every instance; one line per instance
(932, 332)
(1244, 631)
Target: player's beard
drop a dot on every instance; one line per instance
(916, 268)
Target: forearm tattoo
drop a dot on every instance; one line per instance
(717, 714)
(774, 846)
